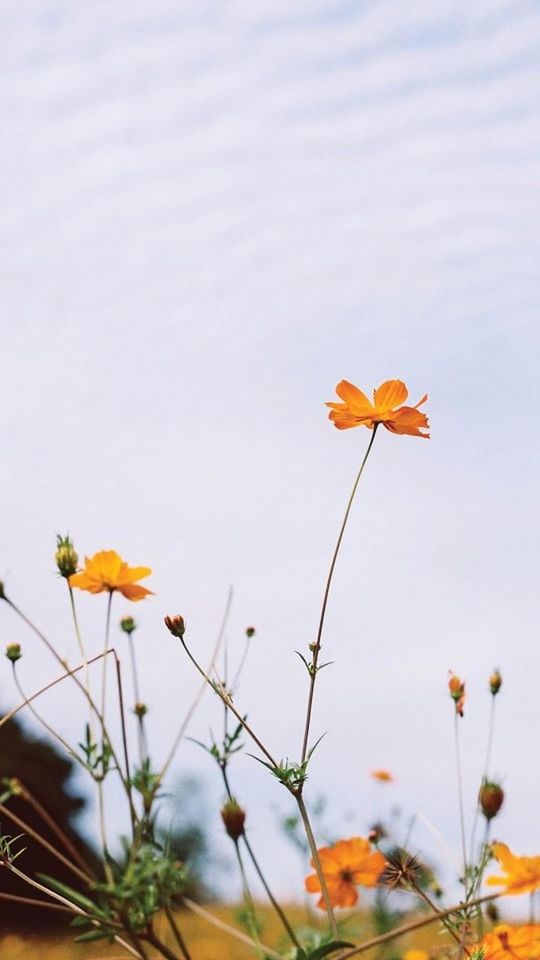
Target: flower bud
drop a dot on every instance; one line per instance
(492, 912)
(2, 594)
(491, 799)
(66, 556)
(377, 832)
(140, 710)
(128, 625)
(234, 818)
(250, 632)
(495, 682)
(13, 652)
(176, 625)
(457, 692)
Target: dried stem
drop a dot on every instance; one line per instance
(226, 928)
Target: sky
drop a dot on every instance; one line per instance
(211, 214)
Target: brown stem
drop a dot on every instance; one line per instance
(317, 864)
(31, 902)
(5, 811)
(414, 925)
(226, 928)
(177, 933)
(154, 940)
(55, 828)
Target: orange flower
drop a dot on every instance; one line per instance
(357, 410)
(345, 865)
(511, 943)
(383, 775)
(457, 692)
(106, 571)
(522, 874)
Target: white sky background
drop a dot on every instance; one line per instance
(211, 213)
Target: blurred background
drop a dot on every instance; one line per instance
(211, 213)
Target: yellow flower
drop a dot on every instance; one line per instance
(416, 955)
(107, 572)
(383, 775)
(357, 410)
(347, 864)
(512, 943)
(522, 874)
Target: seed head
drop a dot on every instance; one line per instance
(140, 710)
(495, 682)
(491, 799)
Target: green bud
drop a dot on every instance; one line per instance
(250, 632)
(128, 625)
(140, 710)
(66, 556)
(13, 652)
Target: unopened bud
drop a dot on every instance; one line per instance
(495, 682)
(2, 594)
(140, 710)
(457, 692)
(127, 624)
(233, 818)
(13, 652)
(14, 785)
(66, 556)
(491, 799)
(250, 632)
(492, 911)
(376, 833)
(176, 625)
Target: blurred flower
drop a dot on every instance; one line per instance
(495, 682)
(457, 692)
(347, 864)
(233, 818)
(383, 775)
(522, 874)
(66, 556)
(357, 410)
(107, 572)
(250, 632)
(128, 625)
(140, 710)
(416, 955)
(491, 799)
(511, 943)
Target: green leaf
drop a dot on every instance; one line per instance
(68, 892)
(92, 935)
(328, 948)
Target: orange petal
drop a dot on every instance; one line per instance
(389, 395)
(132, 591)
(357, 401)
(408, 420)
(130, 574)
(312, 883)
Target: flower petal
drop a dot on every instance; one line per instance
(408, 420)
(356, 401)
(132, 591)
(389, 395)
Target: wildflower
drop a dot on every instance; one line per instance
(491, 799)
(128, 625)
(347, 864)
(176, 625)
(13, 652)
(106, 571)
(457, 692)
(384, 776)
(495, 682)
(511, 943)
(522, 874)
(357, 410)
(233, 818)
(416, 955)
(66, 556)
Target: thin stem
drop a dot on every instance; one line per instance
(446, 924)
(37, 716)
(218, 688)
(485, 775)
(317, 645)
(105, 648)
(31, 902)
(414, 925)
(78, 634)
(143, 747)
(124, 739)
(155, 941)
(226, 928)
(200, 693)
(45, 844)
(460, 798)
(176, 932)
(251, 914)
(55, 828)
(317, 864)
(241, 665)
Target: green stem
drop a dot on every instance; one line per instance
(317, 864)
(460, 798)
(316, 647)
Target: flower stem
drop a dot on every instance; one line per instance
(485, 774)
(317, 864)
(460, 798)
(317, 645)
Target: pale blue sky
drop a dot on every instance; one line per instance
(211, 214)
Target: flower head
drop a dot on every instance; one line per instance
(384, 776)
(346, 865)
(521, 874)
(457, 692)
(387, 408)
(491, 799)
(107, 572)
(511, 943)
(495, 682)
(233, 818)
(66, 556)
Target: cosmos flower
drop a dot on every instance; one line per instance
(107, 572)
(383, 775)
(346, 865)
(387, 408)
(511, 943)
(521, 874)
